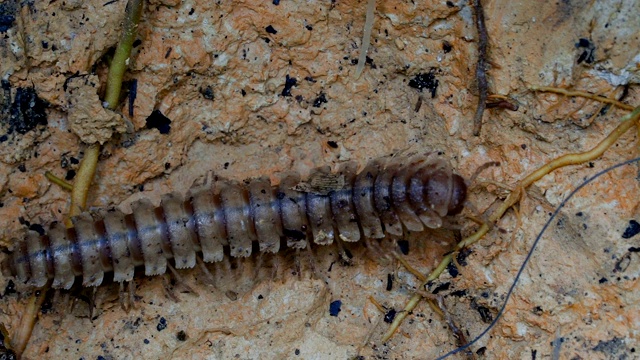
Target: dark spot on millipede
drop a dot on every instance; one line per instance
(334, 307)
(389, 316)
(404, 246)
(162, 324)
(294, 234)
(158, 121)
(632, 230)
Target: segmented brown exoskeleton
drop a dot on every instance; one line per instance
(228, 217)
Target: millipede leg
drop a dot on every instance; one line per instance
(210, 280)
(168, 291)
(180, 280)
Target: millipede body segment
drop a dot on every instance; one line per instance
(229, 217)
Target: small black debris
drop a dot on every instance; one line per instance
(7, 15)
(446, 47)
(271, 30)
(389, 282)
(634, 249)
(389, 316)
(162, 324)
(27, 111)
(321, 99)
(181, 335)
(453, 270)
(537, 310)
(334, 307)
(133, 93)
(10, 288)
(37, 228)
(289, 83)
(70, 175)
(441, 287)
(146, 341)
(425, 81)
(207, 93)
(297, 352)
(332, 144)
(404, 247)
(632, 230)
(588, 54)
(485, 314)
(276, 2)
(603, 280)
(158, 121)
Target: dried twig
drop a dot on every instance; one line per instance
(481, 75)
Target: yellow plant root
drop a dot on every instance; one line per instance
(366, 38)
(23, 333)
(58, 181)
(626, 123)
(583, 94)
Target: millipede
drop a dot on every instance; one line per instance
(228, 218)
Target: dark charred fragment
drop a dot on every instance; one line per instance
(425, 81)
(453, 270)
(485, 313)
(7, 15)
(26, 112)
(632, 230)
(441, 287)
(133, 93)
(158, 121)
(389, 282)
(289, 83)
(588, 51)
(335, 307)
(321, 99)
(389, 316)
(403, 245)
(271, 30)
(462, 256)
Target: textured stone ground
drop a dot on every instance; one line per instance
(219, 72)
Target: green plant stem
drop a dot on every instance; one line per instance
(120, 61)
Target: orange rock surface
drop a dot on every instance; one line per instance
(218, 71)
